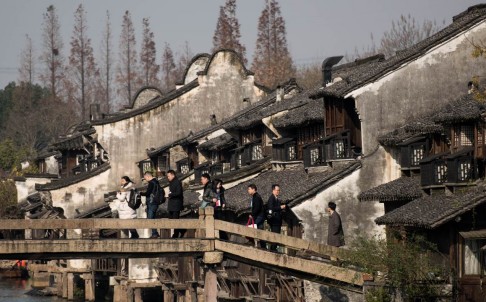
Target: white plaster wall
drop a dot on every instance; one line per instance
(424, 61)
(83, 195)
(52, 165)
(27, 187)
(357, 217)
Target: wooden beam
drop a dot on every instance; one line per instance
(288, 241)
(312, 267)
(105, 246)
(99, 223)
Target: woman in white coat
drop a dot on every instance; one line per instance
(120, 204)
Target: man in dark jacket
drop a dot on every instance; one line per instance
(274, 213)
(335, 233)
(151, 206)
(176, 201)
(257, 210)
(208, 197)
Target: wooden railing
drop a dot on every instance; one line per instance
(207, 240)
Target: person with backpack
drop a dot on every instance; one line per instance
(176, 200)
(120, 205)
(257, 211)
(125, 211)
(152, 196)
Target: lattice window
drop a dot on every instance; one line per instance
(239, 157)
(292, 152)
(315, 156)
(417, 155)
(463, 135)
(340, 149)
(480, 135)
(162, 163)
(184, 168)
(256, 152)
(214, 157)
(441, 173)
(465, 171)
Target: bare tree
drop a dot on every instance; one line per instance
(404, 33)
(272, 63)
(106, 66)
(127, 70)
(51, 56)
(168, 68)
(81, 63)
(227, 34)
(148, 56)
(309, 76)
(27, 62)
(184, 57)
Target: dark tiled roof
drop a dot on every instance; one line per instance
(218, 143)
(154, 152)
(463, 109)
(312, 111)
(47, 153)
(150, 105)
(296, 185)
(256, 107)
(461, 22)
(253, 118)
(101, 211)
(401, 189)
(74, 141)
(435, 210)
(64, 182)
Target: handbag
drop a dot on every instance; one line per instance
(251, 223)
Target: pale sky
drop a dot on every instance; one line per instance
(316, 29)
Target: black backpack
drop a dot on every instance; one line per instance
(158, 194)
(135, 199)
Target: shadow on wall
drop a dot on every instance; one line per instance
(332, 294)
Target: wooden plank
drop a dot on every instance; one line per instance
(99, 223)
(288, 241)
(316, 268)
(122, 246)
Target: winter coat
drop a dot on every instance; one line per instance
(274, 205)
(208, 194)
(335, 233)
(120, 204)
(220, 196)
(257, 206)
(176, 196)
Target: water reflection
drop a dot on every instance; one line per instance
(14, 289)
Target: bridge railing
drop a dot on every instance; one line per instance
(206, 227)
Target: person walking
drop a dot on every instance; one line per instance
(152, 207)
(257, 211)
(218, 191)
(176, 201)
(120, 205)
(208, 197)
(274, 213)
(335, 233)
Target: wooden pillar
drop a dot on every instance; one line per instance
(59, 284)
(168, 295)
(121, 293)
(70, 286)
(89, 287)
(64, 285)
(210, 284)
(137, 295)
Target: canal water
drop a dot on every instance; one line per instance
(14, 289)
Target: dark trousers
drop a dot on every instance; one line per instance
(275, 228)
(218, 214)
(178, 233)
(151, 211)
(259, 221)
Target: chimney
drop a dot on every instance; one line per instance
(327, 65)
(280, 93)
(94, 112)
